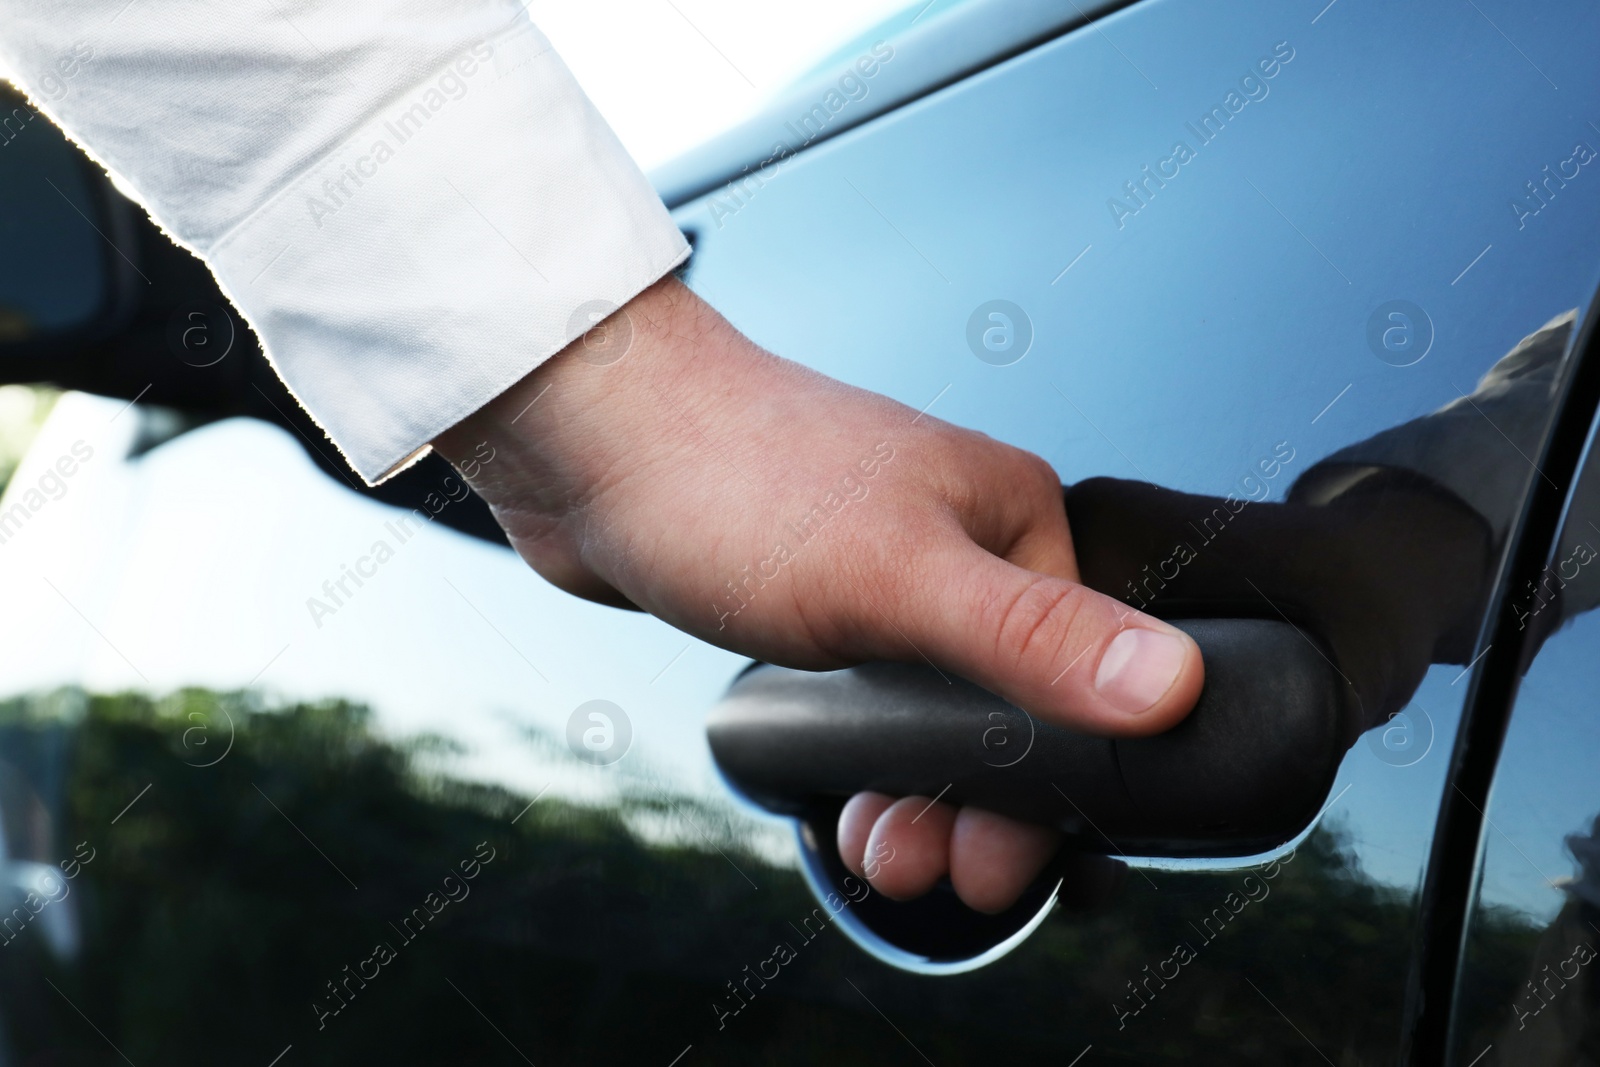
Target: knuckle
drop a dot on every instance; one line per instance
(1039, 470)
(1040, 621)
(1043, 482)
(1001, 491)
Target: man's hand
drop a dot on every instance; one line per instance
(665, 462)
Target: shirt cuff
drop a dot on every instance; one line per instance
(470, 230)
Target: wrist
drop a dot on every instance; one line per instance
(553, 433)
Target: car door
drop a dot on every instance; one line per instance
(1172, 353)
(292, 776)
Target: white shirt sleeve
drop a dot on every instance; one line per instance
(411, 201)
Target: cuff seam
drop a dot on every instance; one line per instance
(652, 274)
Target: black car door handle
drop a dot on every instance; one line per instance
(1244, 773)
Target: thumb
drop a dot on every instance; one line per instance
(1055, 648)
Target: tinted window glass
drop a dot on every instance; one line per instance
(1528, 991)
(51, 260)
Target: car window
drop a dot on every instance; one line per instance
(52, 278)
(294, 777)
(1527, 991)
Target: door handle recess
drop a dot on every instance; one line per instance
(1244, 773)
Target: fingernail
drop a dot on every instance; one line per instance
(1138, 668)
